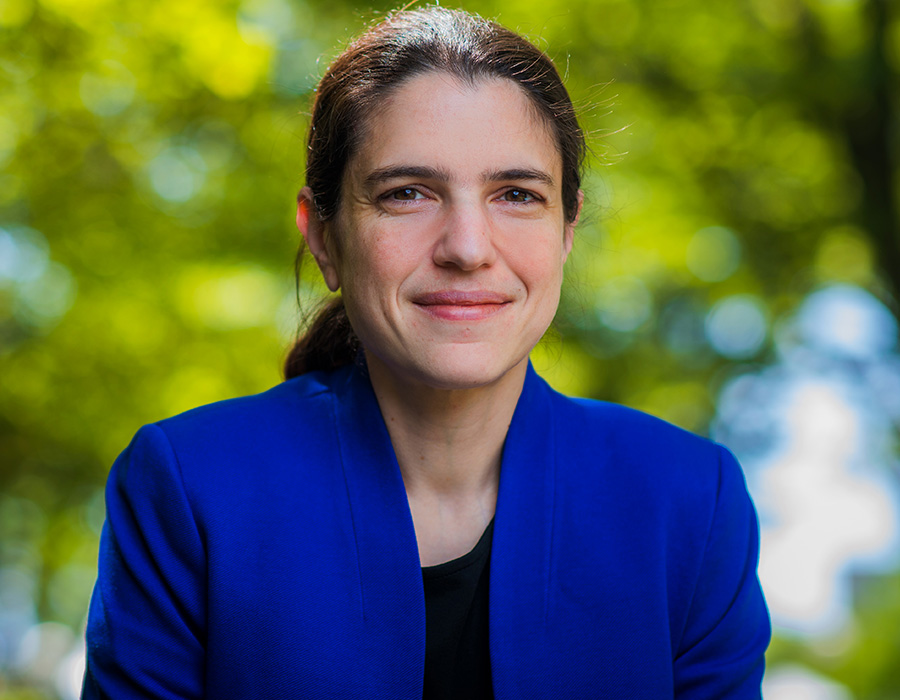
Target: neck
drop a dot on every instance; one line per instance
(448, 444)
(446, 440)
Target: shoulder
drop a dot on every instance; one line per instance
(632, 434)
(297, 406)
(216, 448)
(670, 495)
(291, 395)
(622, 449)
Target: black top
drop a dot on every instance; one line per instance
(457, 657)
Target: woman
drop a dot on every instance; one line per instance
(276, 546)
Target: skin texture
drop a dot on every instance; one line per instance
(448, 248)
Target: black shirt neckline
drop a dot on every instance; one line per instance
(468, 559)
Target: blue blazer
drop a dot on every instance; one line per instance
(263, 548)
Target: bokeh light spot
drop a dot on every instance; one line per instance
(713, 254)
(794, 682)
(109, 90)
(43, 301)
(844, 256)
(274, 17)
(623, 304)
(177, 174)
(682, 327)
(737, 326)
(230, 298)
(17, 610)
(847, 320)
(24, 254)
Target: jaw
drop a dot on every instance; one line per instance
(456, 375)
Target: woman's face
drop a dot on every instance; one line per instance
(450, 238)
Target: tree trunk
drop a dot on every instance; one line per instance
(868, 130)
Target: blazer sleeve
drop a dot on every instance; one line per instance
(721, 654)
(146, 624)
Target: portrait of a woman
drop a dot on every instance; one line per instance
(414, 512)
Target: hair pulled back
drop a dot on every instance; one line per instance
(405, 44)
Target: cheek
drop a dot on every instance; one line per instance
(540, 267)
(373, 269)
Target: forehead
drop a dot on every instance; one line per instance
(463, 128)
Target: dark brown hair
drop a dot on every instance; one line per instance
(405, 44)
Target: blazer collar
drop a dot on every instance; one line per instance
(392, 597)
(522, 544)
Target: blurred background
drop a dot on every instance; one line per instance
(736, 272)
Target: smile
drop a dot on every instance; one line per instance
(454, 305)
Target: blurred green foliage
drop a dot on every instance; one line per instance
(150, 154)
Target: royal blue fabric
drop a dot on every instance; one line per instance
(263, 548)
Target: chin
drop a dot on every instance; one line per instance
(466, 372)
(448, 366)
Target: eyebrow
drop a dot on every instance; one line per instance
(519, 174)
(425, 172)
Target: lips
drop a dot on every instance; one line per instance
(458, 305)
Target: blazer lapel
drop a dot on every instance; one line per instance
(392, 603)
(392, 600)
(522, 544)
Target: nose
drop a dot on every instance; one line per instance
(466, 240)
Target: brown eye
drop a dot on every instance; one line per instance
(405, 194)
(518, 196)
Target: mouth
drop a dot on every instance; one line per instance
(457, 305)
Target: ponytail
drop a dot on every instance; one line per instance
(328, 344)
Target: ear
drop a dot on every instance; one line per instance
(314, 233)
(569, 232)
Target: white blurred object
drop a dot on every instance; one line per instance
(70, 673)
(847, 320)
(792, 682)
(44, 646)
(825, 516)
(815, 432)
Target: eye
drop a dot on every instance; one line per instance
(517, 195)
(405, 194)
